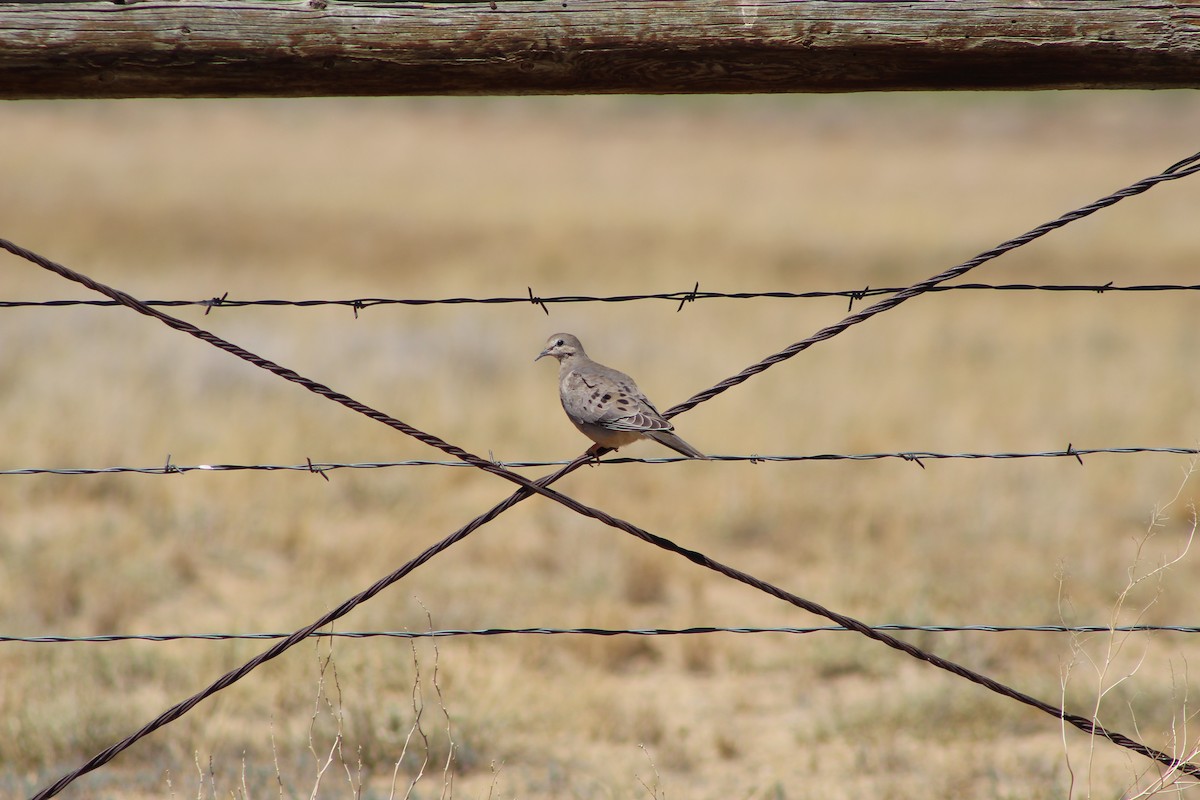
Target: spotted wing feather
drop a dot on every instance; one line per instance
(610, 399)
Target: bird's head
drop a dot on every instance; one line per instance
(560, 346)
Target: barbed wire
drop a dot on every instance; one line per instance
(321, 467)
(681, 297)
(692, 631)
(1090, 726)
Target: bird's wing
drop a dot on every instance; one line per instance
(601, 396)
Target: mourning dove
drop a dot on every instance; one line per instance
(606, 405)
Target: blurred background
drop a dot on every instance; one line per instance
(435, 198)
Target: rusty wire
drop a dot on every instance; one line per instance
(1180, 169)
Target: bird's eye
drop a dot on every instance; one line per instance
(559, 343)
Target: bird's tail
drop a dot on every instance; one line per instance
(672, 441)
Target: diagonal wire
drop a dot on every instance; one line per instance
(1180, 169)
(283, 372)
(695, 630)
(322, 467)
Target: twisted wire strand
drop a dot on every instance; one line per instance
(692, 631)
(1180, 169)
(321, 467)
(233, 676)
(276, 369)
(685, 296)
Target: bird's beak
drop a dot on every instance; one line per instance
(542, 354)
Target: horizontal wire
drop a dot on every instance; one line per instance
(681, 297)
(440, 634)
(915, 456)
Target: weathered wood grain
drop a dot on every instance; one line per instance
(194, 48)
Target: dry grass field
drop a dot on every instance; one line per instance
(482, 197)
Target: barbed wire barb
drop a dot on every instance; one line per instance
(318, 471)
(214, 302)
(537, 301)
(690, 297)
(859, 295)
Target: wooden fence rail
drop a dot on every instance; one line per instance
(289, 48)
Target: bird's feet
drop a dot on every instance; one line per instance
(595, 451)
